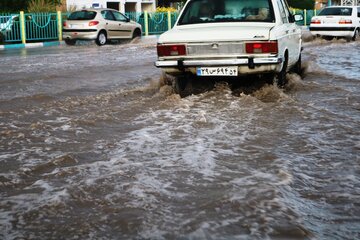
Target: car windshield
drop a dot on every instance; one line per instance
(336, 12)
(211, 11)
(82, 15)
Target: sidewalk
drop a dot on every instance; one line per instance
(54, 43)
(30, 45)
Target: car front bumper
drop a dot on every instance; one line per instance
(246, 66)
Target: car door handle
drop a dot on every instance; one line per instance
(287, 31)
(107, 23)
(119, 24)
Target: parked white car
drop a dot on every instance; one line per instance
(339, 21)
(230, 38)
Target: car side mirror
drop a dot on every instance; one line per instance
(298, 17)
(127, 19)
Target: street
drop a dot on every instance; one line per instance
(93, 145)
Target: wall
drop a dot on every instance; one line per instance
(133, 5)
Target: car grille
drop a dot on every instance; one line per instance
(215, 49)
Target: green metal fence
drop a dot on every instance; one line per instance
(10, 27)
(45, 26)
(308, 14)
(34, 27)
(157, 22)
(41, 26)
(48, 26)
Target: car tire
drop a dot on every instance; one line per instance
(356, 35)
(101, 39)
(280, 79)
(70, 42)
(183, 86)
(136, 33)
(297, 67)
(328, 38)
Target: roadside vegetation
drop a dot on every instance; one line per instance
(41, 6)
(7, 6)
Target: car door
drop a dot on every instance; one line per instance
(125, 27)
(111, 24)
(291, 33)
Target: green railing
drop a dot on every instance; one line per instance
(157, 22)
(25, 27)
(308, 14)
(31, 27)
(41, 26)
(10, 27)
(45, 26)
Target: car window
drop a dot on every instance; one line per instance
(340, 11)
(119, 17)
(82, 15)
(107, 15)
(211, 11)
(282, 10)
(358, 12)
(287, 11)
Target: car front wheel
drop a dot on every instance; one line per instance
(101, 39)
(70, 42)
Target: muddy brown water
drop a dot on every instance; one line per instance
(94, 146)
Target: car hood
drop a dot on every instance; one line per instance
(217, 32)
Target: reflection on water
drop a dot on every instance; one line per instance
(118, 155)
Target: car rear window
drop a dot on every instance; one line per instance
(82, 15)
(336, 12)
(208, 11)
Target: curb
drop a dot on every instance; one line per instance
(51, 44)
(30, 45)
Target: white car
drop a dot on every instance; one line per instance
(230, 38)
(339, 21)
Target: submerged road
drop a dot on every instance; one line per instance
(93, 145)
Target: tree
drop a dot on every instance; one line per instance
(13, 5)
(19, 5)
(301, 4)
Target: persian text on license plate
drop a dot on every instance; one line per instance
(217, 71)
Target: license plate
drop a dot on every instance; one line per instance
(217, 71)
(75, 25)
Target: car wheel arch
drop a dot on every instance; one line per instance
(285, 57)
(136, 32)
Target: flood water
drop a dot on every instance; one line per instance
(94, 146)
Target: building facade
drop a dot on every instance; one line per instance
(120, 5)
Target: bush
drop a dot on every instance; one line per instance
(165, 9)
(41, 6)
(302, 4)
